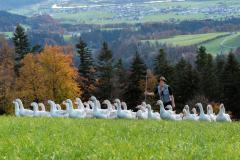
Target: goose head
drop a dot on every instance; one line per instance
(159, 102)
(148, 106)
(35, 106)
(209, 109)
(93, 98)
(20, 103)
(199, 105)
(194, 110)
(52, 105)
(69, 101)
(169, 107)
(108, 103)
(144, 104)
(67, 104)
(42, 106)
(185, 113)
(124, 105)
(117, 106)
(186, 107)
(16, 105)
(222, 109)
(117, 101)
(78, 101)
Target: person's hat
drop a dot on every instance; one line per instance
(162, 79)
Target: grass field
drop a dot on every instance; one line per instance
(39, 138)
(214, 42)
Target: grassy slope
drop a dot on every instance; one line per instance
(33, 138)
(212, 41)
(186, 40)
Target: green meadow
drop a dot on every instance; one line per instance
(57, 138)
(214, 42)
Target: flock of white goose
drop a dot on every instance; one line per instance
(92, 109)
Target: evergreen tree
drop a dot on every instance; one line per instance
(162, 67)
(86, 69)
(201, 59)
(230, 81)
(21, 45)
(207, 77)
(104, 69)
(133, 94)
(118, 80)
(185, 84)
(218, 71)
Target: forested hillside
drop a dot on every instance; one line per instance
(13, 4)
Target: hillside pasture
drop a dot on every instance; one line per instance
(57, 138)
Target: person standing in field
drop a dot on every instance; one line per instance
(163, 92)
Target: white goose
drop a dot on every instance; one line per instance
(22, 111)
(98, 113)
(152, 115)
(142, 113)
(74, 113)
(202, 115)
(98, 104)
(58, 107)
(165, 114)
(188, 115)
(124, 105)
(111, 109)
(222, 116)
(42, 106)
(170, 109)
(194, 111)
(88, 110)
(38, 113)
(210, 113)
(79, 103)
(17, 109)
(56, 113)
(125, 114)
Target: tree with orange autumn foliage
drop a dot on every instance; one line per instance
(151, 84)
(59, 73)
(49, 75)
(6, 76)
(30, 84)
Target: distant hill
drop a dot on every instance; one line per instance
(8, 21)
(11, 4)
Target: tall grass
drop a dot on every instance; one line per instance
(53, 138)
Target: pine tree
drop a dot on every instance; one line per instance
(118, 80)
(185, 83)
(201, 59)
(207, 77)
(86, 69)
(162, 66)
(133, 94)
(6, 76)
(230, 82)
(104, 70)
(218, 71)
(21, 45)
